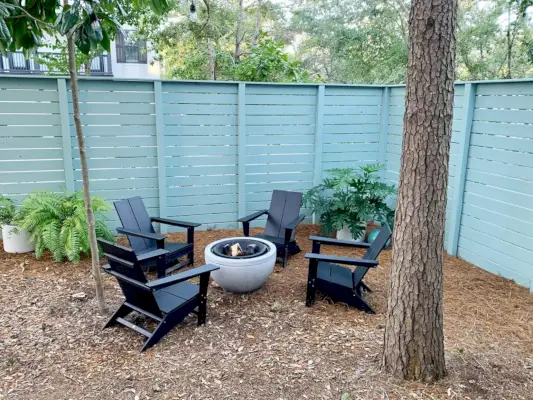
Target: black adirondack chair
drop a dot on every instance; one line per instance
(283, 218)
(137, 225)
(166, 300)
(338, 282)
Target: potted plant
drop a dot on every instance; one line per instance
(57, 222)
(16, 240)
(348, 198)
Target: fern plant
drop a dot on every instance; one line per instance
(349, 198)
(57, 222)
(7, 210)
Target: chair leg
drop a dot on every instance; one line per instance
(122, 311)
(190, 256)
(161, 267)
(365, 287)
(162, 329)
(285, 256)
(311, 283)
(358, 302)
(202, 298)
(168, 323)
(294, 248)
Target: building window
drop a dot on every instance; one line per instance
(129, 50)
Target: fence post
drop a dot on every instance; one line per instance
(241, 150)
(462, 161)
(65, 133)
(160, 140)
(384, 130)
(319, 130)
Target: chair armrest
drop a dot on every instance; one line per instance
(294, 223)
(120, 276)
(174, 222)
(253, 216)
(151, 254)
(182, 276)
(144, 235)
(337, 242)
(359, 262)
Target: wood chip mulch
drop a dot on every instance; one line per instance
(263, 345)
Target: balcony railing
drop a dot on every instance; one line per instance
(17, 63)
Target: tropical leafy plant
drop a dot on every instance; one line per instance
(7, 210)
(349, 198)
(57, 222)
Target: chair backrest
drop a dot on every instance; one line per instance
(373, 252)
(126, 269)
(284, 208)
(133, 215)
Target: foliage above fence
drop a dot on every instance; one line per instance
(211, 152)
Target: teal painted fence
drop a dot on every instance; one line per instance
(213, 151)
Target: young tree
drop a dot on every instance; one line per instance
(414, 338)
(87, 25)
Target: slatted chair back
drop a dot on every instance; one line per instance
(133, 215)
(373, 252)
(130, 276)
(284, 208)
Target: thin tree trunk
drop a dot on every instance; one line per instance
(238, 33)
(212, 64)
(257, 29)
(414, 338)
(85, 174)
(88, 64)
(509, 43)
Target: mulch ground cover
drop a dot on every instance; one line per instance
(262, 345)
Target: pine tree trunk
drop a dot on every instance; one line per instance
(238, 33)
(212, 63)
(85, 174)
(257, 29)
(414, 338)
(509, 75)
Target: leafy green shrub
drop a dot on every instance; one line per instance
(267, 62)
(57, 222)
(349, 198)
(7, 210)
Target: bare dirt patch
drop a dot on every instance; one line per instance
(264, 345)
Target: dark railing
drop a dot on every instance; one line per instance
(16, 63)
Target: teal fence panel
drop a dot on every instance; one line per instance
(31, 155)
(118, 121)
(352, 118)
(200, 123)
(496, 228)
(212, 151)
(279, 144)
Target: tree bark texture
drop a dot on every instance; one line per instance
(257, 29)
(414, 338)
(238, 32)
(212, 61)
(85, 174)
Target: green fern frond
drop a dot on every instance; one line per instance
(56, 222)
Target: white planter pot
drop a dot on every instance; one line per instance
(16, 242)
(346, 234)
(244, 274)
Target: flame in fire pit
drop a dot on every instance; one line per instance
(236, 250)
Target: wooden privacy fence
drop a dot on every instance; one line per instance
(213, 151)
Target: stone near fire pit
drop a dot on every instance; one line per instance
(245, 272)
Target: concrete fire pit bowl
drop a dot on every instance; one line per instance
(244, 273)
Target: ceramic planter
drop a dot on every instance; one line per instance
(346, 234)
(16, 240)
